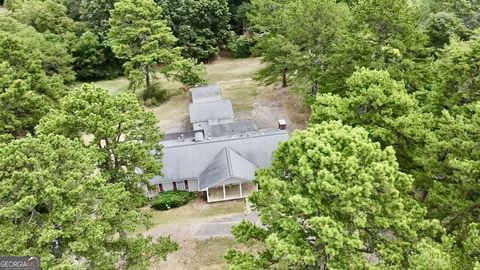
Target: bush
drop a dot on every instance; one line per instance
(241, 47)
(159, 96)
(171, 199)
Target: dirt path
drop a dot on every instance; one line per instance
(275, 104)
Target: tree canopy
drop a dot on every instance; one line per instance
(141, 37)
(118, 128)
(200, 26)
(333, 199)
(56, 205)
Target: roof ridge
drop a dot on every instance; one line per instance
(224, 139)
(229, 160)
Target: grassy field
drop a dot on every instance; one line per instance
(250, 99)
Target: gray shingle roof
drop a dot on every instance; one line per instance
(230, 129)
(188, 159)
(202, 112)
(227, 164)
(205, 93)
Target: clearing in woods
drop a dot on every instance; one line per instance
(203, 230)
(265, 104)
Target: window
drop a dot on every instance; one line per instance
(185, 182)
(160, 188)
(180, 185)
(174, 185)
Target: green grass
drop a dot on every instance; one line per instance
(241, 94)
(228, 69)
(120, 85)
(233, 75)
(115, 86)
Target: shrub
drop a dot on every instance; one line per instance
(171, 199)
(159, 96)
(241, 46)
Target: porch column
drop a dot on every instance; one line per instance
(224, 194)
(208, 196)
(241, 192)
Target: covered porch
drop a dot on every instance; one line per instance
(230, 191)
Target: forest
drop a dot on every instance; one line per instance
(385, 176)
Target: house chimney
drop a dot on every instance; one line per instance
(282, 124)
(199, 136)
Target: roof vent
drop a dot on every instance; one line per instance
(199, 136)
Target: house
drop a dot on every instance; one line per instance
(220, 155)
(222, 167)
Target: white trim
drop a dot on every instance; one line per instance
(224, 193)
(241, 193)
(223, 180)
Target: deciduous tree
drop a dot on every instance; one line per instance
(200, 26)
(27, 91)
(45, 16)
(52, 54)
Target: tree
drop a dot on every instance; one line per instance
(318, 35)
(188, 73)
(52, 54)
(45, 16)
(457, 73)
(94, 58)
(56, 205)
(140, 36)
(385, 36)
(89, 56)
(332, 199)
(278, 52)
(118, 127)
(443, 26)
(96, 15)
(453, 164)
(468, 11)
(279, 55)
(28, 92)
(392, 117)
(373, 101)
(200, 26)
(239, 10)
(314, 38)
